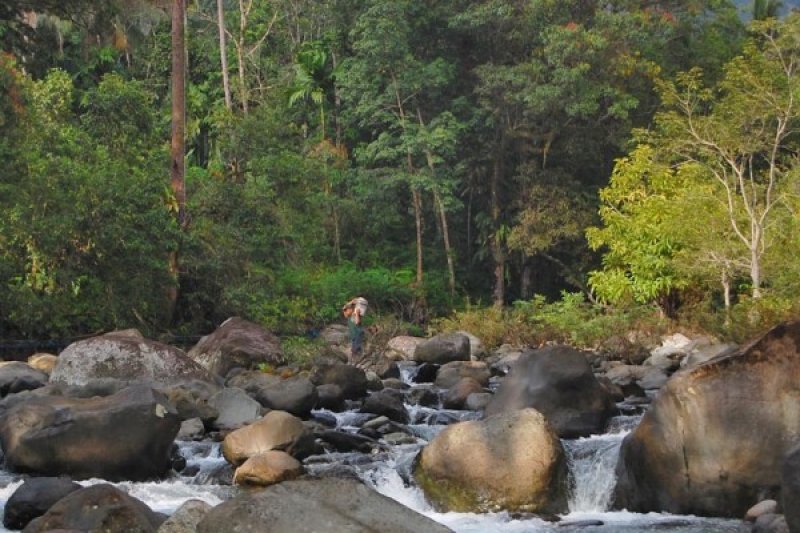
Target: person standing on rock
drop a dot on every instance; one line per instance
(354, 311)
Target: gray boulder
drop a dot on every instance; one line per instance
(558, 382)
(33, 498)
(125, 357)
(343, 505)
(700, 448)
(457, 395)
(235, 407)
(443, 349)
(100, 507)
(388, 404)
(16, 377)
(295, 394)
(790, 487)
(237, 343)
(186, 517)
(127, 436)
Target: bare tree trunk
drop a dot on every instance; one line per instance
(223, 55)
(178, 144)
(496, 245)
(417, 200)
(243, 12)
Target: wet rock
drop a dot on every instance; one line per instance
(186, 517)
(387, 404)
(398, 438)
(394, 383)
(771, 523)
(328, 504)
(237, 343)
(375, 423)
(278, 430)
(558, 382)
(424, 397)
(349, 442)
(391, 371)
(702, 352)
(443, 348)
(501, 361)
(267, 469)
(17, 377)
(191, 401)
(700, 448)
(515, 462)
(653, 378)
(352, 380)
(426, 373)
(476, 349)
(451, 373)
(125, 436)
(33, 498)
(790, 487)
(100, 507)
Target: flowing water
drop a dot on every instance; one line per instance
(591, 463)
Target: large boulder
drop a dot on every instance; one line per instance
(100, 507)
(126, 357)
(329, 504)
(43, 361)
(387, 403)
(237, 343)
(351, 380)
(558, 382)
(127, 436)
(443, 349)
(16, 376)
(456, 396)
(512, 461)
(714, 439)
(278, 430)
(402, 347)
(33, 498)
(296, 394)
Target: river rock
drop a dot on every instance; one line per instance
(452, 373)
(350, 379)
(43, 361)
(16, 376)
(127, 436)
(403, 347)
(186, 517)
(771, 523)
(423, 396)
(790, 487)
(457, 395)
(101, 507)
(653, 378)
(277, 430)
(295, 394)
(702, 352)
(761, 508)
(503, 358)
(267, 469)
(713, 441)
(190, 399)
(477, 401)
(191, 429)
(237, 343)
(512, 461)
(126, 357)
(558, 382)
(33, 498)
(443, 349)
(330, 397)
(328, 504)
(335, 334)
(235, 407)
(426, 373)
(476, 349)
(388, 404)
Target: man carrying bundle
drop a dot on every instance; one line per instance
(354, 311)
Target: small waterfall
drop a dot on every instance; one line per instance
(592, 461)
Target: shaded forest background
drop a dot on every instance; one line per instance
(464, 163)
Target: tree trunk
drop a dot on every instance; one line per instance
(178, 144)
(496, 245)
(451, 270)
(223, 55)
(240, 56)
(417, 200)
(755, 269)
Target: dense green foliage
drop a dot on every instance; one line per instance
(422, 154)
